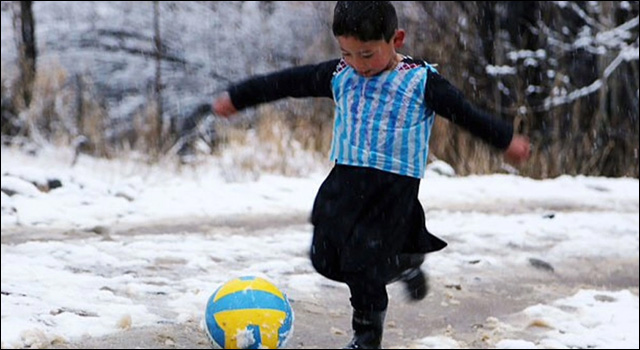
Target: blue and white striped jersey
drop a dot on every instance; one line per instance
(383, 122)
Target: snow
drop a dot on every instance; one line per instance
(97, 277)
(206, 46)
(582, 320)
(501, 70)
(588, 320)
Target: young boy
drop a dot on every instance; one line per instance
(369, 227)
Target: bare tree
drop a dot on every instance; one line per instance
(25, 26)
(565, 72)
(160, 129)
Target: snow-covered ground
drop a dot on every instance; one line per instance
(99, 272)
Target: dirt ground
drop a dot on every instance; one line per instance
(466, 313)
(470, 312)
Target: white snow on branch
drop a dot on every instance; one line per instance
(514, 56)
(626, 55)
(580, 12)
(618, 36)
(497, 71)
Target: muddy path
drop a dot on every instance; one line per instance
(470, 312)
(466, 313)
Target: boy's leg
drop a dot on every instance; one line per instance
(416, 284)
(369, 300)
(369, 297)
(406, 268)
(367, 293)
(367, 327)
(399, 265)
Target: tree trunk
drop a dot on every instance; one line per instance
(160, 131)
(27, 50)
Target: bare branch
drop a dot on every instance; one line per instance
(581, 13)
(626, 55)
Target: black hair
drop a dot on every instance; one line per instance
(365, 20)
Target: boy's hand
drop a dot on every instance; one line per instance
(223, 106)
(518, 151)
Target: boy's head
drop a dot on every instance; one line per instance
(368, 35)
(365, 20)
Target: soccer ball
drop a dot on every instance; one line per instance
(248, 313)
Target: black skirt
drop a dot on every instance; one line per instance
(369, 216)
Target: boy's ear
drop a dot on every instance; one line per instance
(398, 39)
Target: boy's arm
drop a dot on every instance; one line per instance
(448, 101)
(305, 81)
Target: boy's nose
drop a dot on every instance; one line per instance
(362, 69)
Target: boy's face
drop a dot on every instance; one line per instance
(370, 58)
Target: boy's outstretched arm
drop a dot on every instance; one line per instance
(449, 102)
(305, 81)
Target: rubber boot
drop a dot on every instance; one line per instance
(416, 284)
(367, 327)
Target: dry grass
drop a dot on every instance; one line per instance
(92, 123)
(277, 142)
(466, 154)
(66, 111)
(45, 115)
(145, 127)
(293, 138)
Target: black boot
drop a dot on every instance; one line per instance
(416, 284)
(367, 327)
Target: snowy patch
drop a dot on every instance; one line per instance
(115, 279)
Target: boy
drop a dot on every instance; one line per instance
(369, 227)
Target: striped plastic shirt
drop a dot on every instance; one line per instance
(383, 122)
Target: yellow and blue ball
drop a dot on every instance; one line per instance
(248, 313)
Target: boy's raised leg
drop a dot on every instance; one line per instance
(416, 283)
